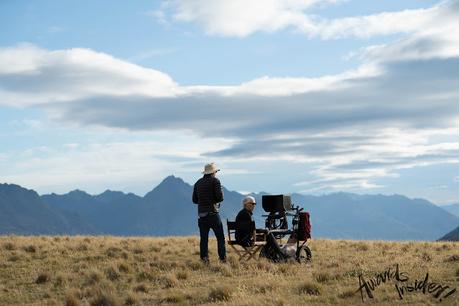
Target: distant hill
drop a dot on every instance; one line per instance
(451, 236)
(395, 217)
(452, 209)
(111, 213)
(168, 210)
(23, 212)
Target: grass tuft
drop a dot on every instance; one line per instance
(82, 247)
(131, 299)
(182, 275)
(140, 288)
(124, 267)
(105, 298)
(14, 257)
(222, 293)
(94, 276)
(426, 257)
(309, 288)
(71, 300)
(145, 276)
(9, 246)
(169, 281)
(30, 249)
(60, 280)
(322, 277)
(346, 294)
(452, 258)
(175, 297)
(43, 277)
(112, 274)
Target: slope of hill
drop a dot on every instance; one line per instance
(451, 236)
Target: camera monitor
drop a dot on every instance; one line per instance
(276, 203)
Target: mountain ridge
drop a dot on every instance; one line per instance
(168, 210)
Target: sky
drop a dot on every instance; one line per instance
(309, 96)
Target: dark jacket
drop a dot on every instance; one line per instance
(245, 225)
(206, 193)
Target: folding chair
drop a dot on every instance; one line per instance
(244, 252)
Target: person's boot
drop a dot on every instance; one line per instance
(205, 260)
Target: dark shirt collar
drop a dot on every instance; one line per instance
(250, 212)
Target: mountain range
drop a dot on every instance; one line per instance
(167, 210)
(452, 208)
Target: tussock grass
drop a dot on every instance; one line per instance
(309, 287)
(60, 280)
(348, 293)
(92, 277)
(322, 277)
(43, 277)
(131, 299)
(30, 248)
(452, 258)
(140, 288)
(174, 297)
(112, 273)
(86, 270)
(103, 297)
(9, 246)
(221, 293)
(182, 275)
(71, 300)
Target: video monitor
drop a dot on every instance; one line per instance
(276, 203)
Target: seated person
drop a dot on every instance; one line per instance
(245, 226)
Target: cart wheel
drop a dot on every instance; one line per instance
(304, 255)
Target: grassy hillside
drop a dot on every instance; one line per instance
(148, 271)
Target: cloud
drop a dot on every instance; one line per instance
(30, 75)
(151, 54)
(159, 16)
(242, 18)
(398, 110)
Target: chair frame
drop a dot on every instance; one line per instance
(244, 252)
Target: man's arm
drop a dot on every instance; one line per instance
(218, 192)
(195, 195)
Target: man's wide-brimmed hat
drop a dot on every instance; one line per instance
(210, 168)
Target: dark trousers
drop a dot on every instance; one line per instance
(205, 224)
(272, 251)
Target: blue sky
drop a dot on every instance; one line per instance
(286, 96)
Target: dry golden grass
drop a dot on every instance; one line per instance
(82, 270)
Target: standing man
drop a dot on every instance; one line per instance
(208, 194)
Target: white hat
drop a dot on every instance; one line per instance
(248, 199)
(210, 168)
